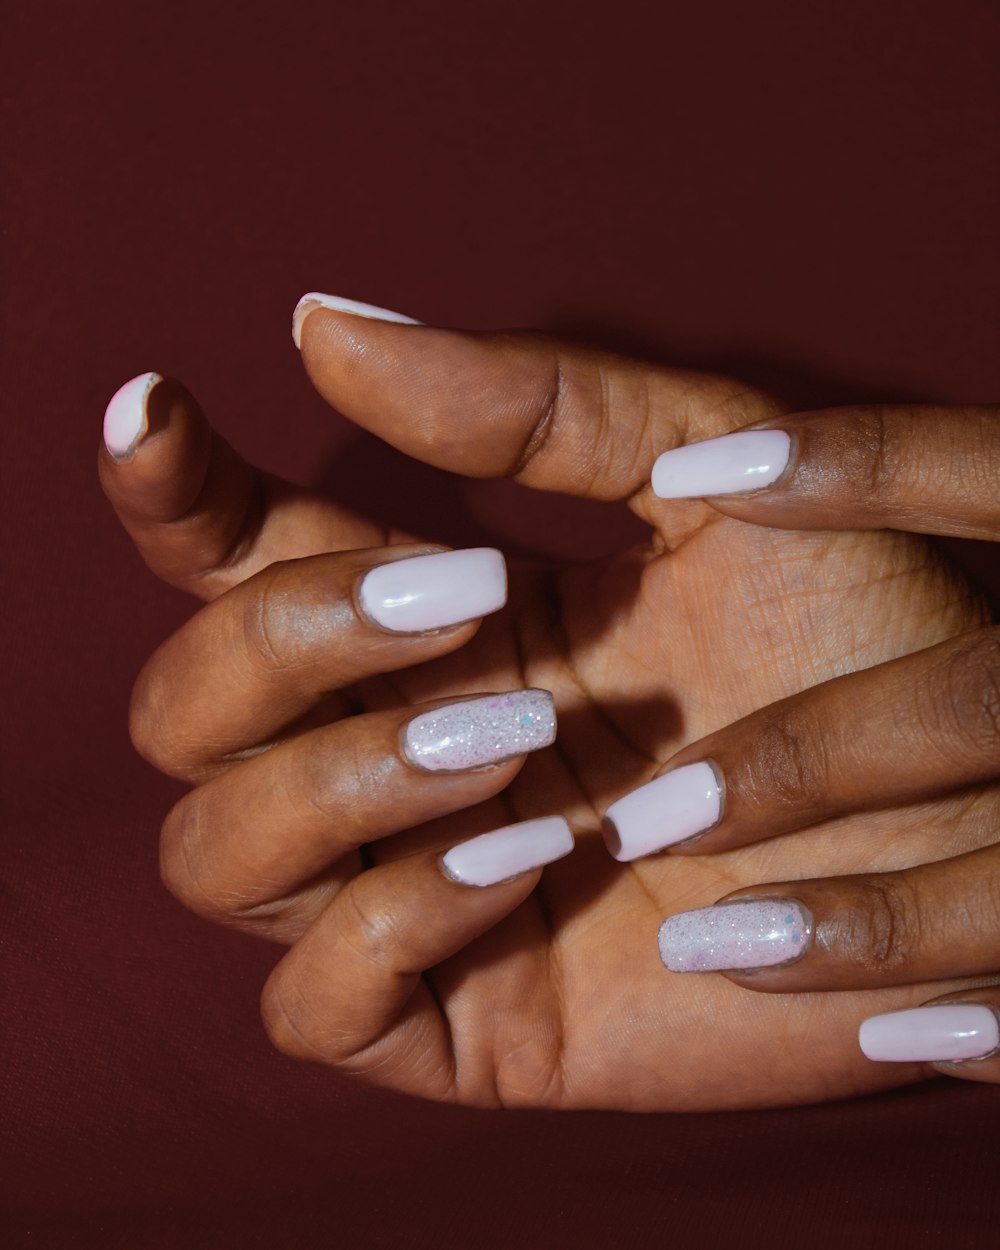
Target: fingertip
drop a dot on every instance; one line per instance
(312, 300)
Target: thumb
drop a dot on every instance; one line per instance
(551, 414)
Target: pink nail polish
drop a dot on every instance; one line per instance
(668, 809)
(507, 852)
(336, 303)
(938, 1033)
(434, 591)
(125, 421)
(476, 732)
(744, 461)
(751, 933)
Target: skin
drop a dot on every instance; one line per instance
(548, 990)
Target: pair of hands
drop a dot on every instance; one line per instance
(841, 679)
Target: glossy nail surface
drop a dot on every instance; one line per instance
(434, 591)
(744, 461)
(507, 852)
(943, 1032)
(476, 732)
(125, 421)
(755, 933)
(336, 303)
(666, 810)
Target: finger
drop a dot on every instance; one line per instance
(957, 1035)
(928, 923)
(271, 650)
(551, 414)
(350, 993)
(907, 730)
(930, 470)
(246, 847)
(202, 518)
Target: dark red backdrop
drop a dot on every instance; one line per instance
(800, 191)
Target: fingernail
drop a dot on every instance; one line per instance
(430, 592)
(747, 460)
(941, 1033)
(482, 731)
(756, 933)
(125, 420)
(668, 809)
(316, 299)
(507, 852)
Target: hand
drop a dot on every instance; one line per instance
(906, 732)
(564, 1002)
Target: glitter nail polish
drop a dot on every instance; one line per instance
(480, 731)
(747, 933)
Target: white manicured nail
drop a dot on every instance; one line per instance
(750, 933)
(507, 852)
(476, 732)
(336, 303)
(744, 461)
(431, 592)
(939, 1033)
(668, 809)
(125, 420)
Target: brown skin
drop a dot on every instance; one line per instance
(546, 991)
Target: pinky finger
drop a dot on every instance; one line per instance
(351, 993)
(956, 1035)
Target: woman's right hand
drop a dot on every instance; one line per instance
(510, 994)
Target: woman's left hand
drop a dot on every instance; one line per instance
(901, 733)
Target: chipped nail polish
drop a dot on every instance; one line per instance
(505, 853)
(475, 732)
(747, 933)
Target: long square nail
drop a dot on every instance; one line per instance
(476, 732)
(744, 461)
(668, 809)
(939, 1033)
(434, 591)
(751, 933)
(506, 853)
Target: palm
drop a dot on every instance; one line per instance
(566, 1002)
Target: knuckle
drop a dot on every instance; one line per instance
(872, 447)
(880, 932)
(969, 694)
(269, 624)
(786, 765)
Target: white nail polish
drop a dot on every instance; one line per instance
(744, 461)
(336, 303)
(668, 809)
(431, 592)
(936, 1033)
(125, 420)
(746, 933)
(476, 732)
(507, 852)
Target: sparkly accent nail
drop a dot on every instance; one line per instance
(668, 809)
(434, 591)
(480, 731)
(337, 303)
(751, 933)
(936, 1033)
(125, 421)
(503, 854)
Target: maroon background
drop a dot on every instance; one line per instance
(804, 192)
